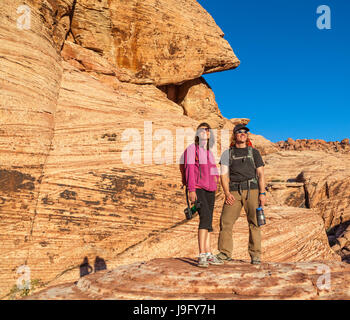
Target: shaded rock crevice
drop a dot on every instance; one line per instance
(339, 240)
(70, 14)
(306, 197)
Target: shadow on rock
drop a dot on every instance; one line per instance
(85, 268)
(100, 264)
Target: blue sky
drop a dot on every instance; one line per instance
(294, 79)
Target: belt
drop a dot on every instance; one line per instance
(239, 184)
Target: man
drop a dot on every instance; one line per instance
(243, 182)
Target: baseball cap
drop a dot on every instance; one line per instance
(239, 127)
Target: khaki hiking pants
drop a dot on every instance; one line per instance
(229, 216)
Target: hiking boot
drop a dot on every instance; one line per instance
(214, 260)
(223, 257)
(202, 261)
(255, 261)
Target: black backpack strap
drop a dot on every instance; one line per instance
(251, 156)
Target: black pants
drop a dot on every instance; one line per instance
(207, 200)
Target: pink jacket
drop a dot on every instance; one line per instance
(206, 178)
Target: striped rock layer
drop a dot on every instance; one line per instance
(90, 140)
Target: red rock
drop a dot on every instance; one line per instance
(345, 141)
(178, 279)
(66, 193)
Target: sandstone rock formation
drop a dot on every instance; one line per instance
(301, 232)
(311, 179)
(198, 101)
(64, 184)
(339, 239)
(159, 42)
(317, 145)
(322, 184)
(262, 144)
(30, 76)
(86, 170)
(180, 278)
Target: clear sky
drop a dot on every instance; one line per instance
(294, 79)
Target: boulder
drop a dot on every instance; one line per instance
(154, 41)
(315, 145)
(326, 178)
(180, 279)
(90, 158)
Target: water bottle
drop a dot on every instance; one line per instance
(260, 216)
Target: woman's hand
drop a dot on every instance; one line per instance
(192, 196)
(229, 199)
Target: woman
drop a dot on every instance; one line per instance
(201, 182)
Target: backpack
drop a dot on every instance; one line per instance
(249, 156)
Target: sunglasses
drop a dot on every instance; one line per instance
(203, 129)
(241, 131)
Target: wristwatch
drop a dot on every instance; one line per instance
(264, 193)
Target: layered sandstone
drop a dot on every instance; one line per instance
(262, 144)
(180, 278)
(339, 239)
(64, 184)
(311, 179)
(159, 42)
(197, 100)
(89, 157)
(315, 144)
(30, 77)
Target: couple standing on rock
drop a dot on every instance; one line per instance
(243, 182)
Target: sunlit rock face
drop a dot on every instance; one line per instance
(64, 185)
(155, 41)
(91, 137)
(179, 278)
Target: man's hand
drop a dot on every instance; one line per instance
(229, 199)
(262, 200)
(261, 181)
(192, 196)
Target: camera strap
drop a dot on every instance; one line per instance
(188, 203)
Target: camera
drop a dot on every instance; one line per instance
(190, 211)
